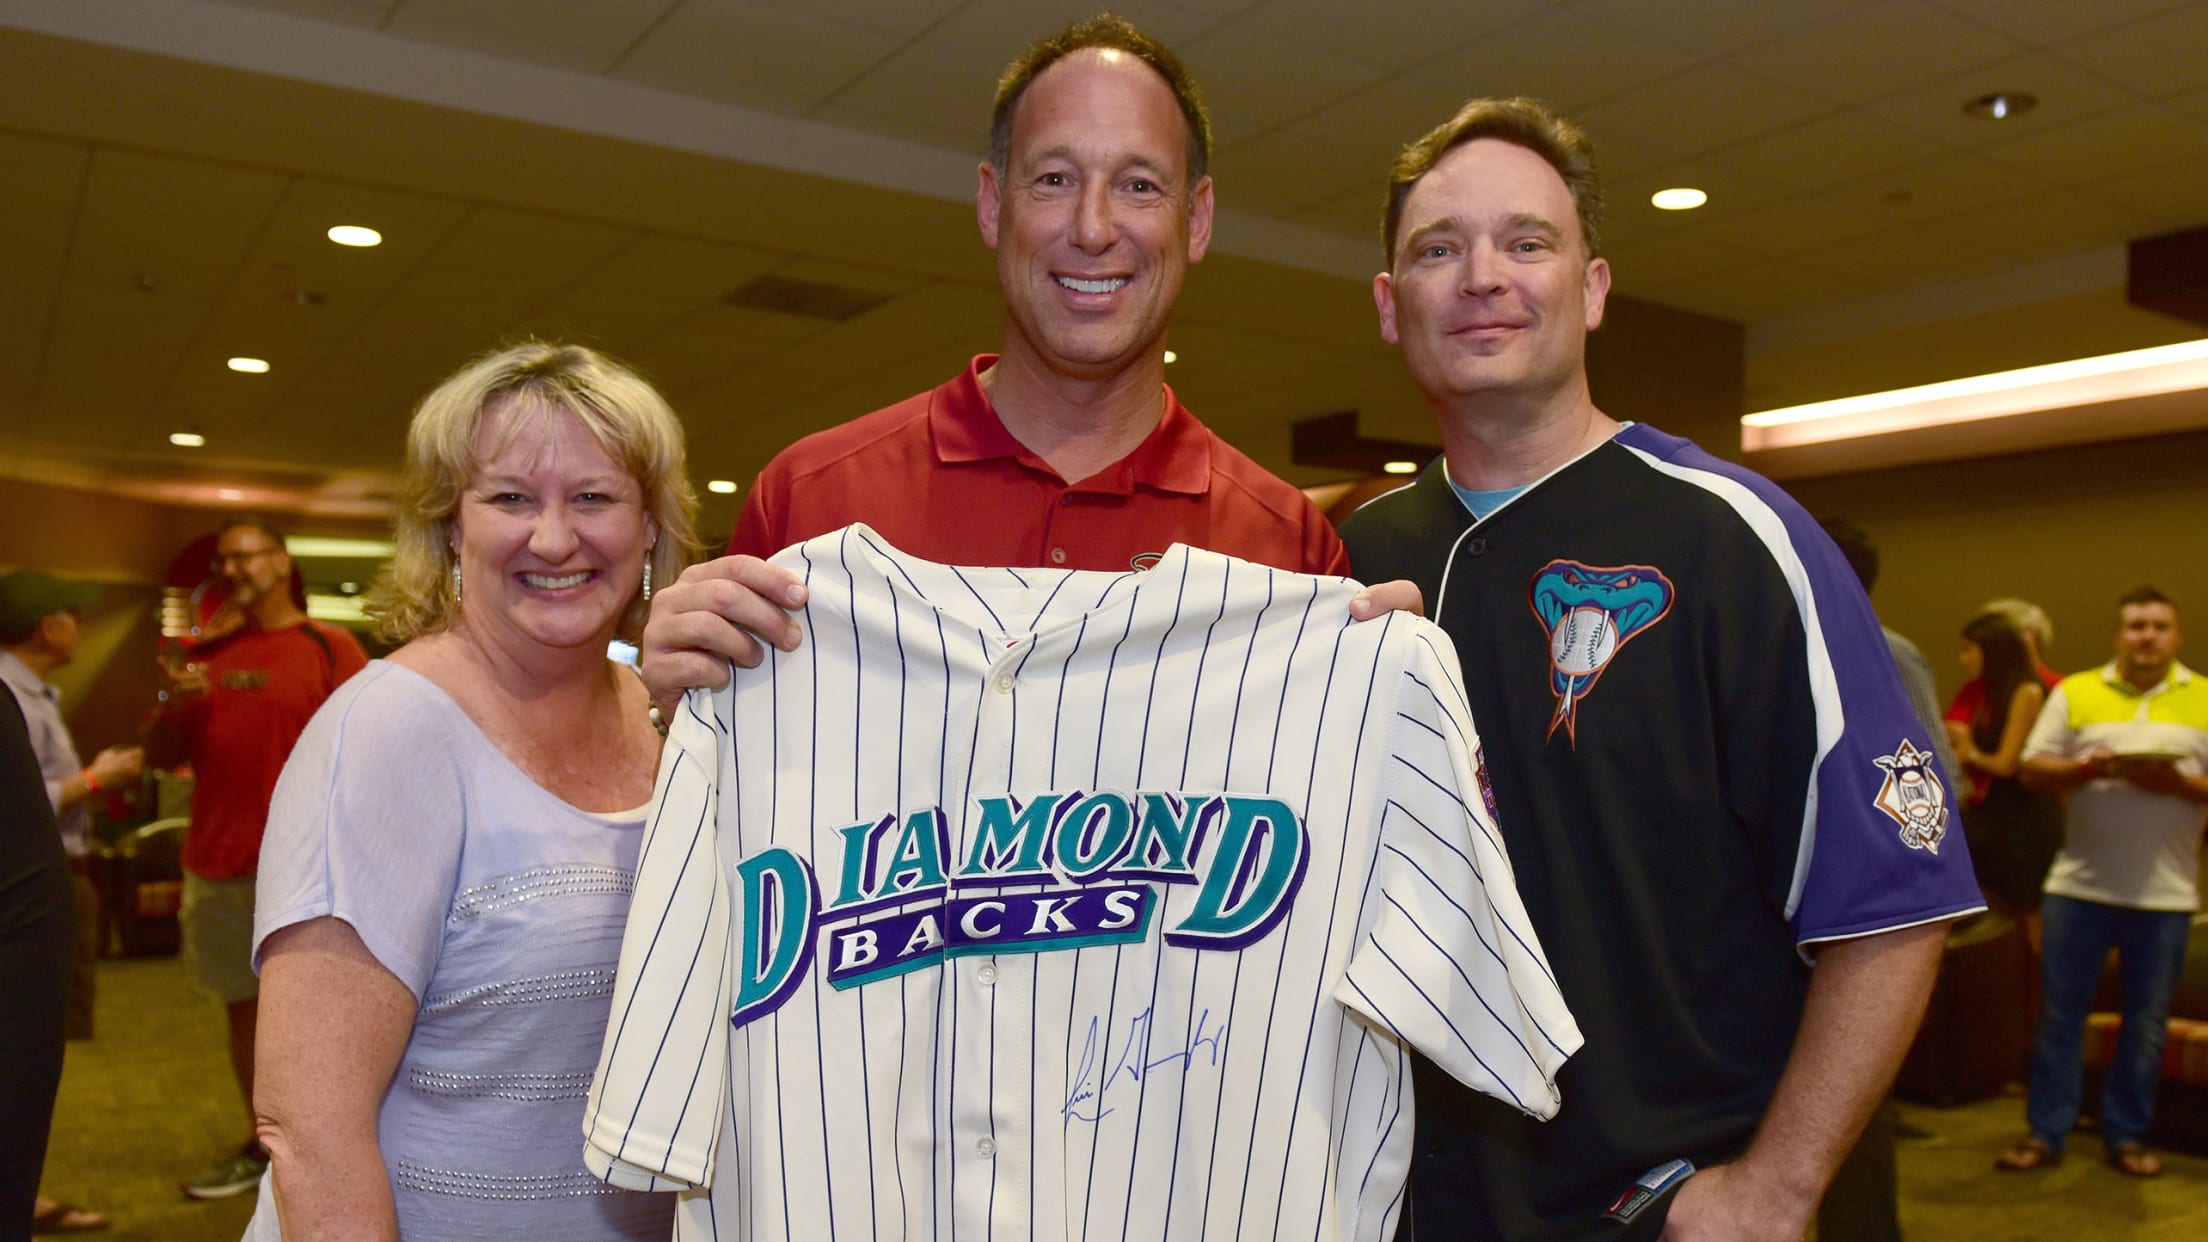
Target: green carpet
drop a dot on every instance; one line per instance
(150, 1102)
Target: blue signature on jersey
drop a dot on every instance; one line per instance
(1134, 1060)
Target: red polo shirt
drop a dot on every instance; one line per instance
(938, 476)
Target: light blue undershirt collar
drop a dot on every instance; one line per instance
(1483, 503)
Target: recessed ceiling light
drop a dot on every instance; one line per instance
(2001, 105)
(187, 439)
(1679, 198)
(1401, 467)
(721, 487)
(249, 366)
(1172, 357)
(228, 493)
(355, 235)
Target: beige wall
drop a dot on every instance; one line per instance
(2070, 530)
(125, 546)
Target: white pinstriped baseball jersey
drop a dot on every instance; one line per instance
(1041, 904)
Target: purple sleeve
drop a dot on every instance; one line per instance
(1881, 845)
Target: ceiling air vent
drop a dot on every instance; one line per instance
(782, 295)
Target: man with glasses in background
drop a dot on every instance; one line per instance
(234, 710)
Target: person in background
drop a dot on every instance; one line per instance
(233, 711)
(1863, 1202)
(39, 628)
(2038, 630)
(2014, 832)
(34, 969)
(452, 847)
(2127, 743)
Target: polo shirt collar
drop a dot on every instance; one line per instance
(2178, 676)
(1174, 458)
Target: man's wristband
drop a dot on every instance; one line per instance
(91, 782)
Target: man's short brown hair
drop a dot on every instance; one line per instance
(1521, 122)
(1105, 30)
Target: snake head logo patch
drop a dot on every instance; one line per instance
(1591, 612)
(1913, 797)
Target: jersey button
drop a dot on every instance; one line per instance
(1004, 684)
(987, 973)
(987, 1147)
(1057, 556)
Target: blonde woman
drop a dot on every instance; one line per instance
(450, 849)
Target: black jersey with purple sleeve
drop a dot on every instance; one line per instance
(1704, 765)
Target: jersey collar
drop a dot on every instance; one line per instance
(2114, 677)
(965, 428)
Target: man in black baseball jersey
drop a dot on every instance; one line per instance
(1705, 769)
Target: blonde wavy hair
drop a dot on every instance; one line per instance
(623, 413)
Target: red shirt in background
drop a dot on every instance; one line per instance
(263, 685)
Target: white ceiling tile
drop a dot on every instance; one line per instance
(1355, 214)
(705, 49)
(1877, 50)
(900, 17)
(39, 198)
(1826, 150)
(2048, 23)
(347, 12)
(1714, 27)
(947, 77)
(2153, 201)
(136, 189)
(1646, 269)
(1909, 256)
(715, 341)
(1803, 224)
(1747, 293)
(2126, 140)
(1254, 81)
(1287, 170)
(2057, 222)
(2164, 54)
(585, 35)
(1941, 187)
(1415, 30)
(1702, 109)
(2065, 94)
(1629, 215)
(1562, 57)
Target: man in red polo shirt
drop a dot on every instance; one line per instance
(235, 711)
(1066, 449)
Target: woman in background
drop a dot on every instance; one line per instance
(451, 849)
(2013, 832)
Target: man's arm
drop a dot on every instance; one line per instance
(108, 769)
(1866, 997)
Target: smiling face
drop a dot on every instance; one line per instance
(551, 533)
(1093, 220)
(1491, 292)
(252, 565)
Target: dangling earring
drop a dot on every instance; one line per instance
(456, 581)
(647, 575)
